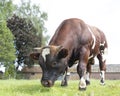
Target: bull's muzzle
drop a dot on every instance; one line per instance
(47, 83)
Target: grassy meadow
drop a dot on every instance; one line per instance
(34, 88)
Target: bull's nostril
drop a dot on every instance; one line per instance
(47, 83)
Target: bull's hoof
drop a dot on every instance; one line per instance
(102, 83)
(87, 82)
(64, 84)
(82, 89)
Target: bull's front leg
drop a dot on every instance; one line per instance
(64, 79)
(81, 68)
(88, 74)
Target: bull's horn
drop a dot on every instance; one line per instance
(37, 49)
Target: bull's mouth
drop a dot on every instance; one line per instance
(47, 83)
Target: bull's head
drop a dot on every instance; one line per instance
(52, 60)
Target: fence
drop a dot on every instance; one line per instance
(96, 75)
(112, 72)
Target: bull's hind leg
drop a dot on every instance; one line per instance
(102, 66)
(88, 73)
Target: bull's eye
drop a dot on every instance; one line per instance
(54, 64)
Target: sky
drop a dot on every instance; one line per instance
(104, 14)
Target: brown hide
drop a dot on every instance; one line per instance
(74, 40)
(73, 34)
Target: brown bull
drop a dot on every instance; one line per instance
(73, 40)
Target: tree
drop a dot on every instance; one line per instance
(28, 30)
(25, 39)
(7, 50)
(6, 9)
(33, 13)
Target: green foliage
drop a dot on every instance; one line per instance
(33, 88)
(35, 18)
(7, 50)
(6, 8)
(10, 71)
(25, 39)
(33, 13)
(28, 28)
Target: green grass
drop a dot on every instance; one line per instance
(34, 88)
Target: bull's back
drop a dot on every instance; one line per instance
(70, 32)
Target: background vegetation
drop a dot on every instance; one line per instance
(34, 88)
(22, 27)
(7, 50)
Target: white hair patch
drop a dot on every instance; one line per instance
(45, 52)
(102, 74)
(93, 36)
(87, 76)
(104, 55)
(82, 83)
(102, 44)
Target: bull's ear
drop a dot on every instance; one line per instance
(36, 53)
(62, 53)
(35, 56)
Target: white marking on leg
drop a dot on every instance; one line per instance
(103, 51)
(102, 44)
(63, 78)
(88, 76)
(93, 36)
(45, 52)
(102, 74)
(104, 54)
(82, 83)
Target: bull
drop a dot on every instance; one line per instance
(74, 40)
